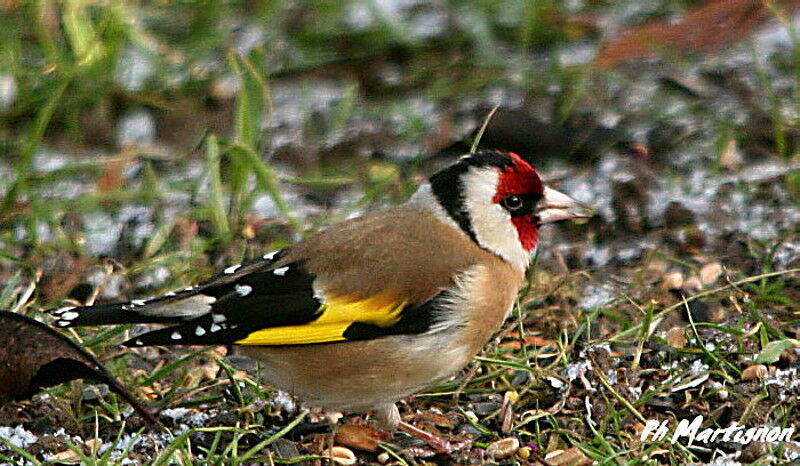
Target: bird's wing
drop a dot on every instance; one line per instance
(269, 302)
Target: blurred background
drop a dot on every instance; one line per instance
(128, 124)
(144, 144)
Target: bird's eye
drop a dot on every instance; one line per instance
(512, 203)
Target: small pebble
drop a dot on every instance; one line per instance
(485, 408)
(503, 448)
(710, 273)
(676, 337)
(672, 281)
(94, 445)
(8, 91)
(692, 285)
(731, 157)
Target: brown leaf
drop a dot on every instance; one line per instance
(34, 356)
(112, 178)
(360, 437)
(711, 26)
(514, 342)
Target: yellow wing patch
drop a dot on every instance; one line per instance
(335, 316)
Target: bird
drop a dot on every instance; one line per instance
(376, 308)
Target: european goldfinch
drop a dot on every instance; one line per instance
(376, 308)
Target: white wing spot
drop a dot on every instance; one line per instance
(138, 302)
(268, 256)
(70, 315)
(63, 323)
(63, 310)
(199, 331)
(243, 290)
(188, 288)
(170, 294)
(176, 335)
(218, 318)
(126, 307)
(215, 328)
(281, 271)
(232, 268)
(139, 343)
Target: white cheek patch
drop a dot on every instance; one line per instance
(491, 223)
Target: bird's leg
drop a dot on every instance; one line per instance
(388, 418)
(332, 417)
(438, 443)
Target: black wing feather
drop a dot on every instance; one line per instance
(264, 293)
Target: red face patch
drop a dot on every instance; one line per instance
(527, 231)
(521, 179)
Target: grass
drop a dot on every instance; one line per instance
(571, 377)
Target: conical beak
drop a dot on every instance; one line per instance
(556, 207)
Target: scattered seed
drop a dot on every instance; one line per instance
(503, 448)
(65, 457)
(342, 455)
(572, 456)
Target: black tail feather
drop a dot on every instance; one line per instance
(106, 314)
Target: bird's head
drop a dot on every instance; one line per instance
(499, 201)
